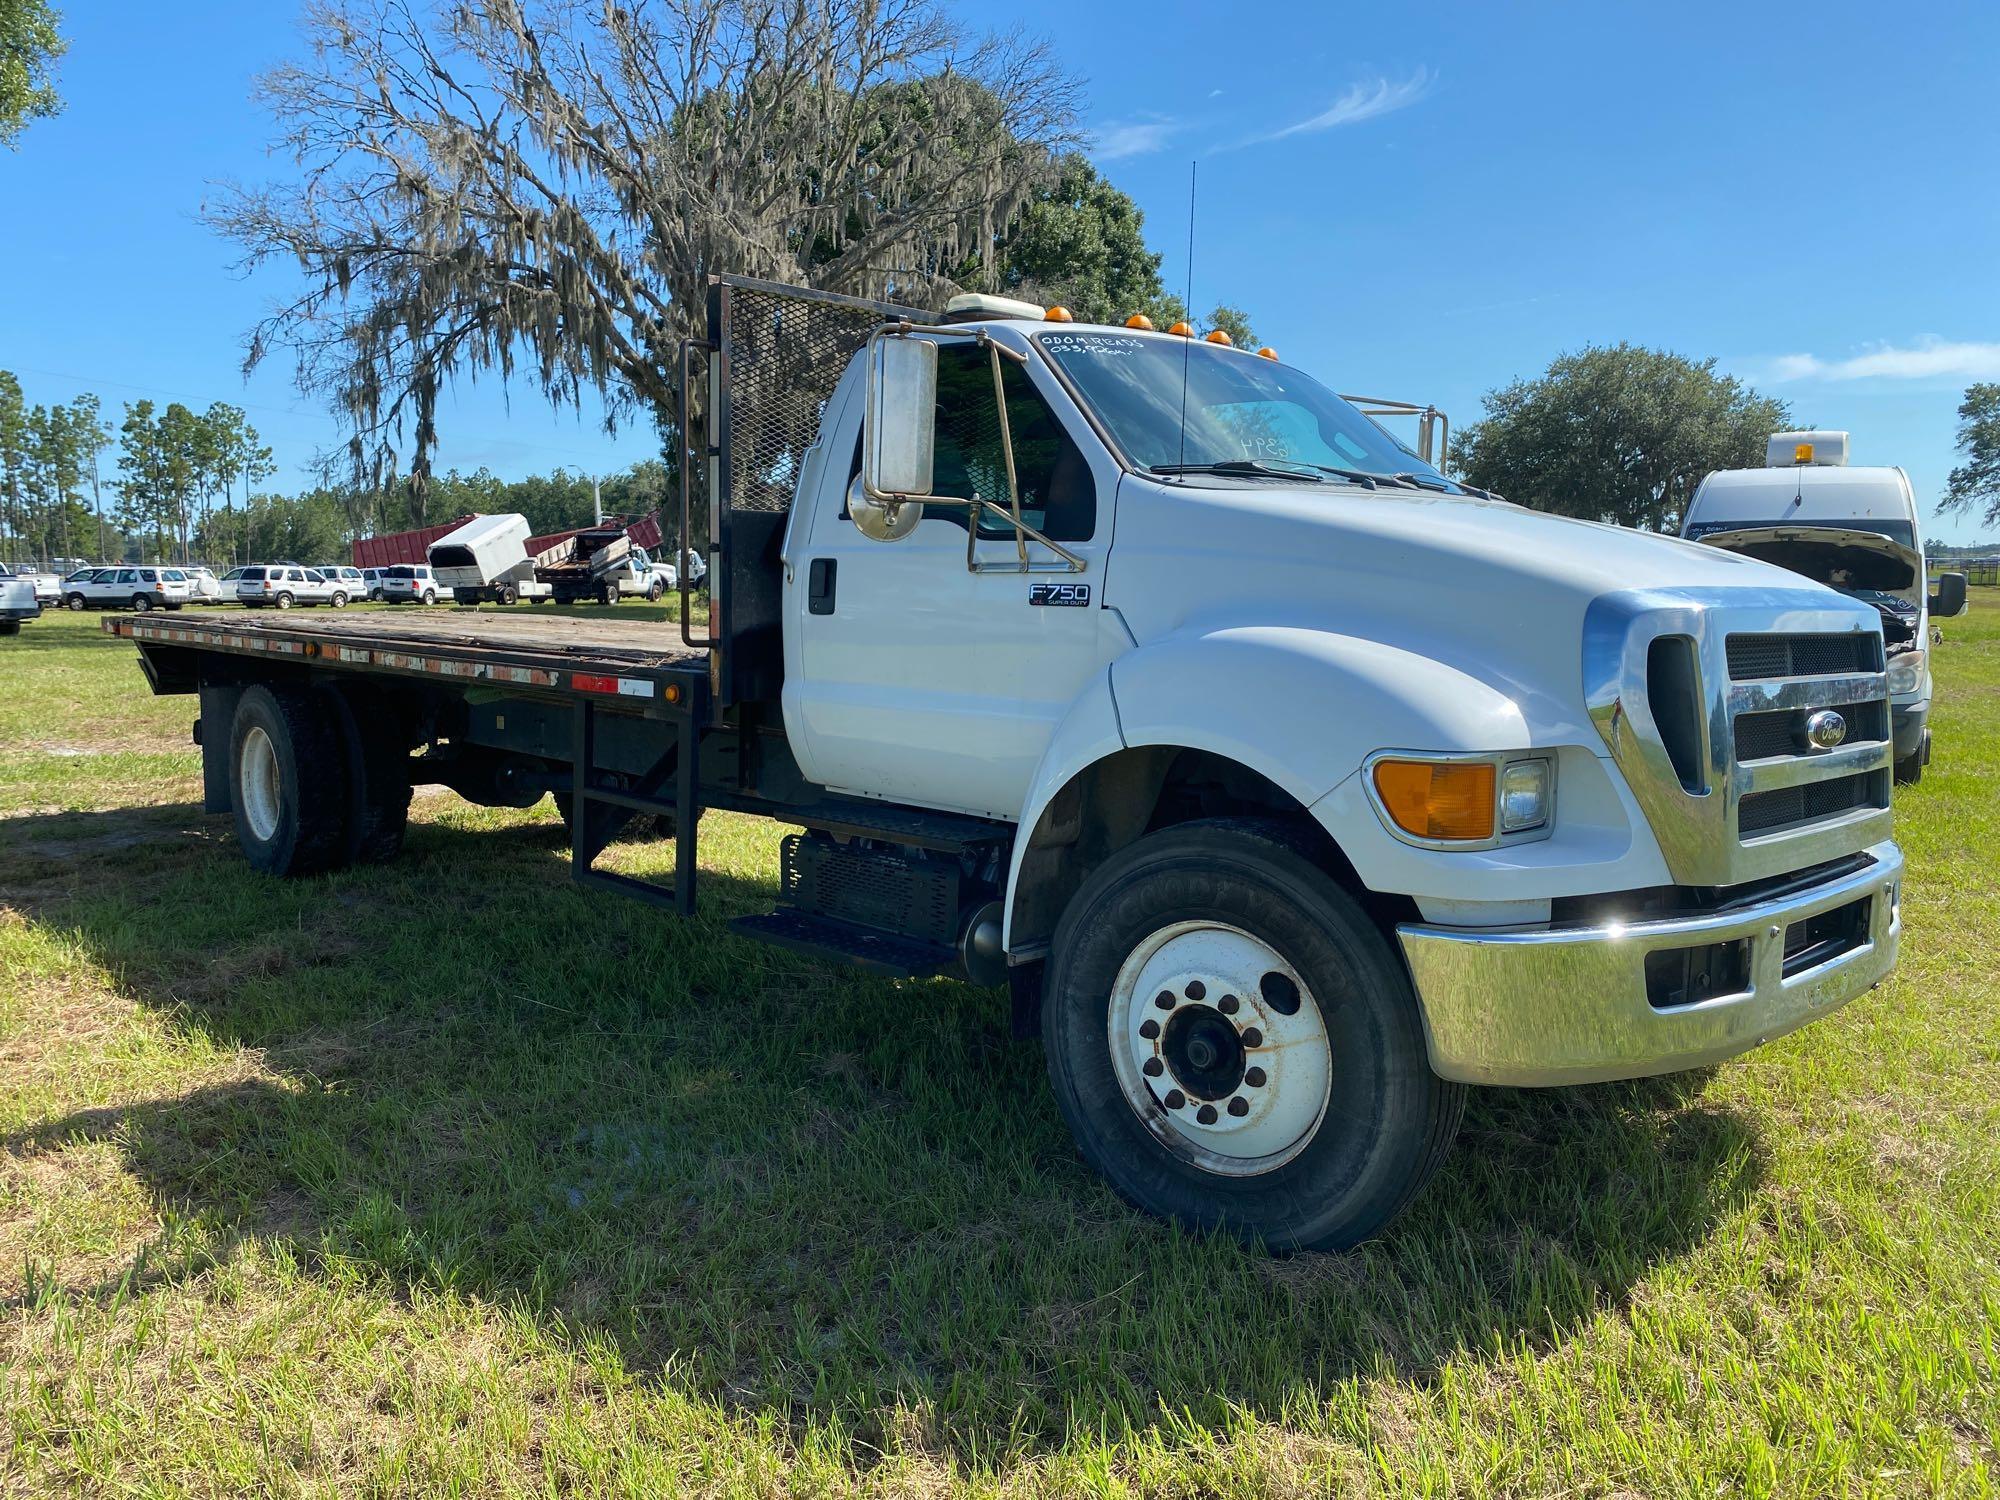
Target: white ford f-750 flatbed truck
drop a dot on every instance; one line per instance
(1289, 786)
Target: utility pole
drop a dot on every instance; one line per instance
(597, 501)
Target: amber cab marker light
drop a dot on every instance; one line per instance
(1139, 320)
(1217, 336)
(1438, 799)
(1184, 330)
(1802, 454)
(1059, 314)
(1267, 352)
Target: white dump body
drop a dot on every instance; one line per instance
(484, 551)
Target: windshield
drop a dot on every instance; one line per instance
(1239, 406)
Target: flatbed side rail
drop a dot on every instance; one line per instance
(638, 686)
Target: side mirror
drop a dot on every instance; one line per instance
(901, 417)
(1949, 600)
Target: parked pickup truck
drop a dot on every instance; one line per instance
(18, 601)
(1289, 786)
(602, 565)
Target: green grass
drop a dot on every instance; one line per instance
(442, 1177)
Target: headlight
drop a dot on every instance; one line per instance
(1524, 795)
(1906, 673)
(1464, 801)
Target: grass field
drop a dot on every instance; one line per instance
(442, 1177)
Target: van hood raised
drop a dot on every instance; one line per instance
(1841, 557)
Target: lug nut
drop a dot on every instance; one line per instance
(1196, 990)
(1153, 1068)
(1206, 1114)
(1252, 1037)
(1228, 1005)
(1254, 1077)
(1149, 1030)
(1239, 1106)
(1175, 1098)
(1165, 1000)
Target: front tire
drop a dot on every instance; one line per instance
(75, 602)
(1236, 1046)
(288, 782)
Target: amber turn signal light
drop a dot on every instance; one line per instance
(1139, 320)
(1059, 314)
(1438, 799)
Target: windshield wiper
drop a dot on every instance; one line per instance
(1443, 485)
(1271, 470)
(1254, 466)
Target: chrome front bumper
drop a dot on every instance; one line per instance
(1556, 1005)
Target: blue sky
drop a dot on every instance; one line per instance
(1420, 205)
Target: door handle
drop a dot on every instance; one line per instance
(821, 580)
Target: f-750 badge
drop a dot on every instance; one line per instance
(1070, 595)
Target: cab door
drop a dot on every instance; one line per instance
(915, 678)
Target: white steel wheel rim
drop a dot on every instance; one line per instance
(1236, 1108)
(258, 783)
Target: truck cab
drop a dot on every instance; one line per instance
(1855, 529)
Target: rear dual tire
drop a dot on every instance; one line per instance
(314, 784)
(1235, 1045)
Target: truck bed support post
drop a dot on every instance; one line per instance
(586, 840)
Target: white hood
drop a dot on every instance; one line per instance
(1491, 589)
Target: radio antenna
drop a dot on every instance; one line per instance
(1187, 353)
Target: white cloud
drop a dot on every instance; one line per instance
(1123, 138)
(1367, 100)
(1926, 359)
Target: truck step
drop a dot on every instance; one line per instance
(835, 941)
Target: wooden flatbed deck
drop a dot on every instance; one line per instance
(631, 659)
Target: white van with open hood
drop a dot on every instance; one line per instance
(1853, 529)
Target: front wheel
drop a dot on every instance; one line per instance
(75, 602)
(1235, 1045)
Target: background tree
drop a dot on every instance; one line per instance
(93, 436)
(1975, 484)
(537, 188)
(29, 47)
(1620, 434)
(13, 464)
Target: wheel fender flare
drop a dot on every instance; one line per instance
(1303, 708)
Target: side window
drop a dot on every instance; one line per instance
(126, 575)
(1058, 495)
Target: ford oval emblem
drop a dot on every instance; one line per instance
(1826, 729)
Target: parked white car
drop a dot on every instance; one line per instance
(409, 583)
(282, 585)
(345, 577)
(136, 588)
(17, 601)
(372, 578)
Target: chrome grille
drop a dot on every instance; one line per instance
(1761, 801)
(1755, 656)
(1789, 806)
